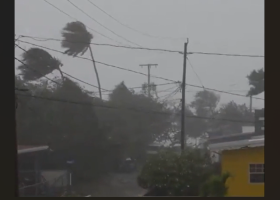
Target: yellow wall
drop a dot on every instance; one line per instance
(237, 163)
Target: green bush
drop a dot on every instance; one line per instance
(215, 186)
(172, 174)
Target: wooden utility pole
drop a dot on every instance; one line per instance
(183, 97)
(251, 103)
(149, 68)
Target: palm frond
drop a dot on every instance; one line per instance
(38, 63)
(76, 38)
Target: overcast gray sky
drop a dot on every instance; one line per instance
(224, 26)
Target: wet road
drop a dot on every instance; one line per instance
(114, 185)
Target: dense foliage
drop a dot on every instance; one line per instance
(172, 174)
(215, 186)
(38, 63)
(96, 136)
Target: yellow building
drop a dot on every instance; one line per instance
(242, 155)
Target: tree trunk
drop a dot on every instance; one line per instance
(61, 73)
(97, 76)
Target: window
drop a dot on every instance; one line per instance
(256, 173)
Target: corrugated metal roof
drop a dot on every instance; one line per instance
(235, 137)
(237, 144)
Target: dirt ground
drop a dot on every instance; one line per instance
(113, 185)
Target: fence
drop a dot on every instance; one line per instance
(45, 188)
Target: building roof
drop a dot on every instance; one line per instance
(251, 136)
(236, 141)
(31, 148)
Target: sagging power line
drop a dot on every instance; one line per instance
(129, 27)
(42, 39)
(71, 76)
(78, 20)
(195, 72)
(143, 74)
(102, 24)
(173, 93)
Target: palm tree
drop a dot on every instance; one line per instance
(77, 41)
(38, 63)
(256, 81)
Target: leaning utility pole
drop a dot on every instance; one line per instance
(149, 68)
(183, 97)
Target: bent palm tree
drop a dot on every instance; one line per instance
(77, 41)
(38, 63)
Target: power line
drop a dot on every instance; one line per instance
(162, 78)
(227, 54)
(170, 95)
(129, 27)
(83, 81)
(138, 87)
(78, 20)
(36, 71)
(109, 65)
(126, 108)
(51, 79)
(102, 24)
(87, 82)
(166, 90)
(225, 92)
(42, 39)
(17, 39)
(195, 72)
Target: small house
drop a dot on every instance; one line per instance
(242, 155)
